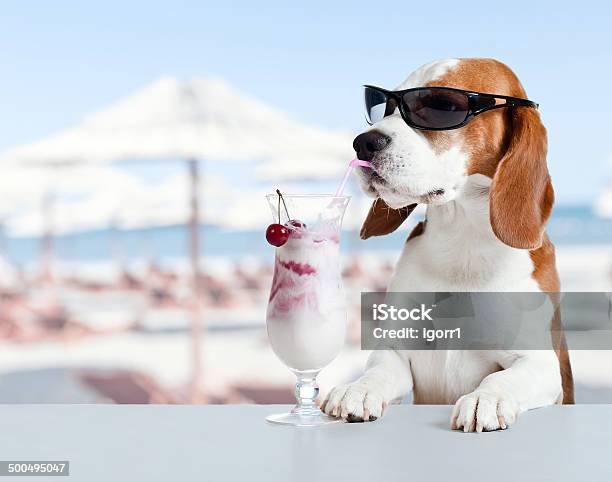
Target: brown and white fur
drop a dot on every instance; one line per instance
(488, 196)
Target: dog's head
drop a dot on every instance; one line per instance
(506, 145)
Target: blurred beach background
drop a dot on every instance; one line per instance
(137, 142)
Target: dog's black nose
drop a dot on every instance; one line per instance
(368, 143)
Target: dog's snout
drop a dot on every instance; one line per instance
(368, 143)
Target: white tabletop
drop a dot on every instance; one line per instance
(221, 443)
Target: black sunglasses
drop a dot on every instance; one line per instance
(434, 108)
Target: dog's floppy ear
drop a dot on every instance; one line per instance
(382, 219)
(521, 195)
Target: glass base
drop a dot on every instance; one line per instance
(303, 418)
(306, 413)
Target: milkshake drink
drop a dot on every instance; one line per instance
(306, 316)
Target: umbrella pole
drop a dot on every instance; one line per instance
(48, 208)
(197, 325)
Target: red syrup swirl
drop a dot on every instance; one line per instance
(301, 269)
(282, 278)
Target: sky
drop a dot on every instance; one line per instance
(63, 60)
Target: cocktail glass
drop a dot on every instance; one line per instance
(306, 316)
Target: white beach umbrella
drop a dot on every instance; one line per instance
(203, 119)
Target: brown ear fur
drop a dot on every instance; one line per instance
(383, 220)
(521, 195)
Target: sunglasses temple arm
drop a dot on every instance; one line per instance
(514, 102)
(506, 102)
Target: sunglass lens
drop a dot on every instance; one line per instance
(436, 108)
(375, 105)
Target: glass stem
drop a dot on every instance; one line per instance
(306, 392)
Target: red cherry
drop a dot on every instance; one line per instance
(277, 234)
(295, 224)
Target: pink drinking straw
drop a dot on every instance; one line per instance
(351, 166)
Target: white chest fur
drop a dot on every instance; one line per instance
(458, 250)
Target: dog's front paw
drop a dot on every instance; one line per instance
(356, 402)
(484, 411)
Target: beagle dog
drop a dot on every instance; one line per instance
(488, 195)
